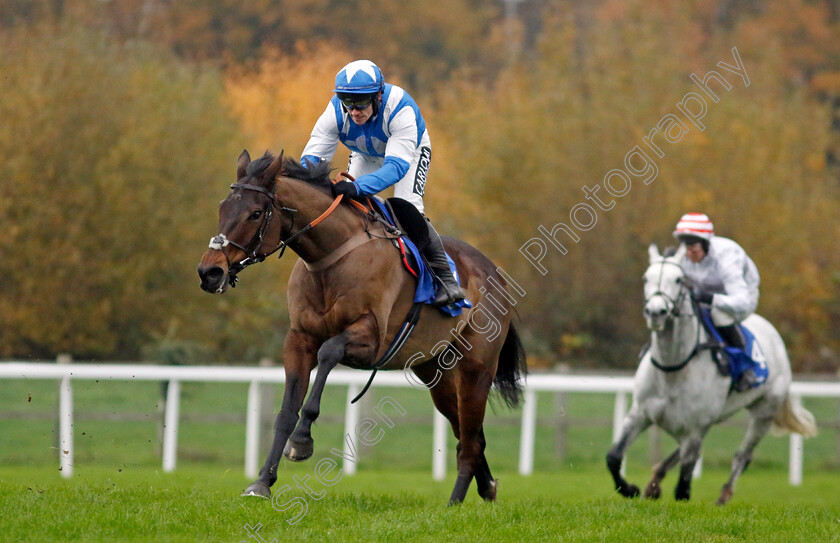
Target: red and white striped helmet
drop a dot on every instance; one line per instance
(695, 224)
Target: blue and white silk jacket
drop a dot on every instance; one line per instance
(395, 133)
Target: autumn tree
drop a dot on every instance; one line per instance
(527, 151)
(116, 155)
(108, 151)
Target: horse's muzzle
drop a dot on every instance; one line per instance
(214, 277)
(213, 280)
(656, 313)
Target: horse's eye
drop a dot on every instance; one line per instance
(255, 215)
(679, 280)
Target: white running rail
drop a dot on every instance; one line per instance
(621, 386)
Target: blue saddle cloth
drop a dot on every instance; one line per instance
(740, 360)
(426, 290)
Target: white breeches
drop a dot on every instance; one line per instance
(413, 184)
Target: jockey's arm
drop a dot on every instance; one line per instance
(736, 300)
(323, 141)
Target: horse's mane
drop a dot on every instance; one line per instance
(317, 175)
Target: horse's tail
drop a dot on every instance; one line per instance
(792, 417)
(512, 367)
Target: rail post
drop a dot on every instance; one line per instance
(439, 447)
(529, 426)
(351, 420)
(65, 421)
(170, 430)
(619, 412)
(796, 452)
(252, 428)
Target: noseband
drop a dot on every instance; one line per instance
(253, 257)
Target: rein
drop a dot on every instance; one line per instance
(396, 344)
(386, 232)
(675, 312)
(220, 241)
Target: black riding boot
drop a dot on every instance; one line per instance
(731, 335)
(733, 338)
(450, 291)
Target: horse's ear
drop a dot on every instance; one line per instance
(680, 254)
(653, 252)
(244, 160)
(270, 175)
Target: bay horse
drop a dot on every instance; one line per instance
(347, 297)
(678, 386)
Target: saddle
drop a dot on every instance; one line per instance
(386, 212)
(414, 236)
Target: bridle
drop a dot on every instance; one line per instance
(674, 303)
(253, 255)
(674, 312)
(252, 248)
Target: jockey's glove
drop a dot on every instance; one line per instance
(346, 188)
(703, 297)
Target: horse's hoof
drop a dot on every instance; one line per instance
(629, 491)
(653, 491)
(489, 495)
(257, 489)
(298, 451)
(725, 496)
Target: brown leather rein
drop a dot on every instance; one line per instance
(219, 241)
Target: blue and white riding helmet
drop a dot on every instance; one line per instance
(360, 81)
(359, 77)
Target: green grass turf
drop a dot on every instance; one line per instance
(202, 504)
(118, 492)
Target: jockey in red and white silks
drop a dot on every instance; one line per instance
(723, 274)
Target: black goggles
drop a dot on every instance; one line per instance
(356, 103)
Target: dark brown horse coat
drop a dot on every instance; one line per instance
(346, 308)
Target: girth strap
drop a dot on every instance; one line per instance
(399, 340)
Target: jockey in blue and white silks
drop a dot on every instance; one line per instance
(723, 274)
(392, 148)
(382, 126)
